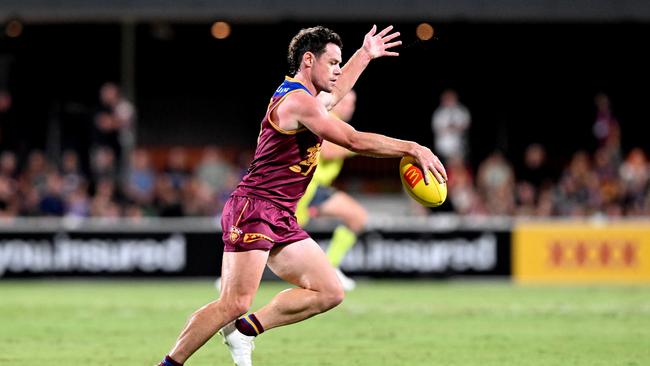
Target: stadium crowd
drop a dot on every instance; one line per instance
(603, 183)
(608, 182)
(124, 180)
(42, 188)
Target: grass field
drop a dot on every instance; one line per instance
(380, 323)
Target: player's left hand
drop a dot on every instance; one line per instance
(377, 45)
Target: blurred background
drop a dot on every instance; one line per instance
(137, 111)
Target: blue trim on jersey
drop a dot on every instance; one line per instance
(288, 86)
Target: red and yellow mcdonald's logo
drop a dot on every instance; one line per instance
(413, 175)
(581, 252)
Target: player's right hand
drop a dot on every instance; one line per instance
(429, 161)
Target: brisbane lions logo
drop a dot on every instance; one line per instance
(306, 166)
(235, 234)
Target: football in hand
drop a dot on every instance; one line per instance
(430, 195)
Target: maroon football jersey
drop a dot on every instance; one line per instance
(284, 161)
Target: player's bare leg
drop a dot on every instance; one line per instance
(305, 265)
(241, 275)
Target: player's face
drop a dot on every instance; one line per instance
(327, 68)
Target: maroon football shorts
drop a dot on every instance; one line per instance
(250, 223)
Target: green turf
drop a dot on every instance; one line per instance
(380, 323)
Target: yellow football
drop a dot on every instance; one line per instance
(431, 195)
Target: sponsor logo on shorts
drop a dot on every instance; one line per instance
(251, 237)
(235, 234)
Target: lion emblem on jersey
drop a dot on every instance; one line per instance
(306, 166)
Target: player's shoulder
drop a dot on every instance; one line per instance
(301, 102)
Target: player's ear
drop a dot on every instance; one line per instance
(308, 58)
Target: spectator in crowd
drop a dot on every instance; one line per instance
(535, 170)
(6, 102)
(73, 177)
(133, 211)
(105, 133)
(496, 183)
(578, 187)
(545, 202)
(463, 196)
(610, 188)
(199, 198)
(104, 201)
(450, 124)
(52, 201)
(525, 199)
(168, 197)
(122, 125)
(244, 159)
(606, 164)
(220, 175)
(9, 206)
(172, 185)
(34, 175)
(103, 165)
(213, 168)
(606, 128)
(8, 197)
(141, 184)
(77, 202)
(32, 182)
(30, 199)
(8, 165)
(635, 178)
(532, 177)
(177, 167)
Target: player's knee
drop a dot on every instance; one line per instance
(242, 305)
(332, 297)
(238, 306)
(359, 221)
(356, 219)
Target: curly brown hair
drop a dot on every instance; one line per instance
(312, 40)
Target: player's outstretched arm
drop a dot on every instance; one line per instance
(374, 45)
(311, 114)
(377, 145)
(330, 150)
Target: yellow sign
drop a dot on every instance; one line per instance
(552, 252)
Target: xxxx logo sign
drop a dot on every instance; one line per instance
(575, 252)
(593, 253)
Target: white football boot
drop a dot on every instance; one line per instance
(348, 283)
(241, 346)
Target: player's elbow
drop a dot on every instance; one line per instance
(356, 143)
